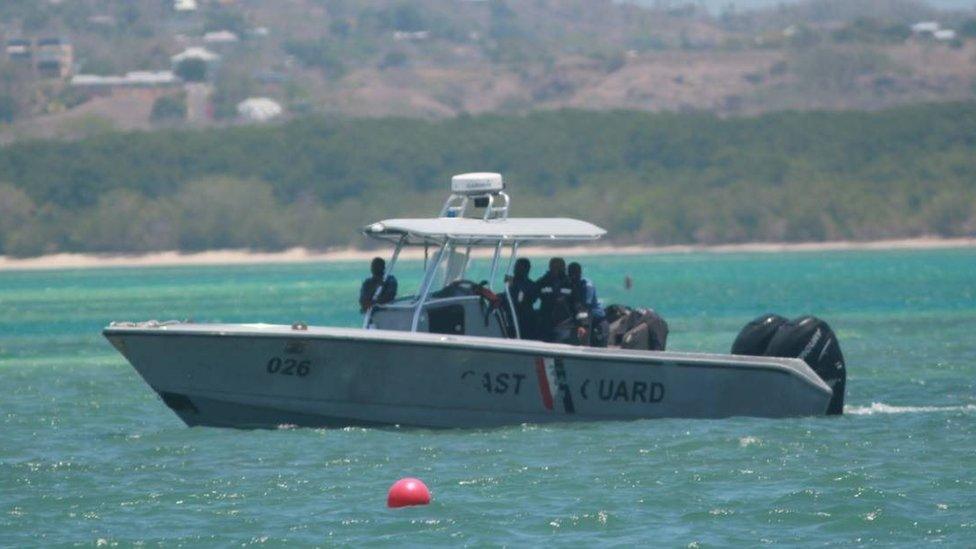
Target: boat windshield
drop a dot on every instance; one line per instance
(454, 265)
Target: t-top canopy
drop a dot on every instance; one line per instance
(479, 231)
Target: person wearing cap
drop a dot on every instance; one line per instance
(378, 288)
(592, 319)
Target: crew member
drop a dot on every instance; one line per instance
(594, 326)
(523, 293)
(378, 288)
(555, 302)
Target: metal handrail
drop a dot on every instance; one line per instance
(428, 282)
(508, 294)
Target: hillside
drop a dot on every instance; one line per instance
(649, 178)
(442, 58)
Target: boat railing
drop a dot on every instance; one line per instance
(496, 205)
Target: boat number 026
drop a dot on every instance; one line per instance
(289, 367)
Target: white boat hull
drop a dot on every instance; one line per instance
(253, 376)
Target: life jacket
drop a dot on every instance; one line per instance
(555, 300)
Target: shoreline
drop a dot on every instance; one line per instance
(66, 261)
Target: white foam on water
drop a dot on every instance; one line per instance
(749, 441)
(882, 408)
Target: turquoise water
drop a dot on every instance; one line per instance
(88, 454)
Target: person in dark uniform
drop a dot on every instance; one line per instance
(555, 301)
(377, 289)
(594, 326)
(523, 293)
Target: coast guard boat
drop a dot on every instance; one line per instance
(452, 355)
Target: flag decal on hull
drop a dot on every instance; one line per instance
(552, 384)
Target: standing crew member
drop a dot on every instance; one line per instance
(377, 289)
(585, 301)
(523, 293)
(555, 301)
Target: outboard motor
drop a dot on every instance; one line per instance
(806, 337)
(636, 329)
(755, 336)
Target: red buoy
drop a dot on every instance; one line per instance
(407, 491)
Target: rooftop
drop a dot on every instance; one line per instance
(135, 78)
(195, 53)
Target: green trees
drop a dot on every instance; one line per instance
(8, 108)
(322, 54)
(393, 60)
(222, 212)
(192, 70)
(16, 210)
(232, 86)
(13, 92)
(968, 28)
(169, 108)
(125, 220)
(648, 178)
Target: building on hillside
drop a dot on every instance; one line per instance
(54, 58)
(135, 79)
(406, 36)
(220, 38)
(931, 30)
(259, 109)
(19, 50)
(128, 98)
(925, 27)
(202, 54)
(106, 21)
(49, 57)
(184, 6)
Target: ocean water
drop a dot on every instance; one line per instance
(90, 456)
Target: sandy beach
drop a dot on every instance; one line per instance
(302, 255)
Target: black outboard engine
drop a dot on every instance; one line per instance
(806, 337)
(755, 336)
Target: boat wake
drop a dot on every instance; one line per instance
(882, 408)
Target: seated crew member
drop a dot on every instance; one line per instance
(377, 289)
(523, 293)
(595, 325)
(555, 302)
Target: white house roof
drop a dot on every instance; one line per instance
(185, 5)
(259, 109)
(135, 78)
(195, 53)
(478, 231)
(925, 26)
(220, 37)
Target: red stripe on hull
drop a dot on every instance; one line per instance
(540, 371)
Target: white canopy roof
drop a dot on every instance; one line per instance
(474, 231)
(202, 54)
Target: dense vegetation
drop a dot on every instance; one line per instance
(649, 178)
